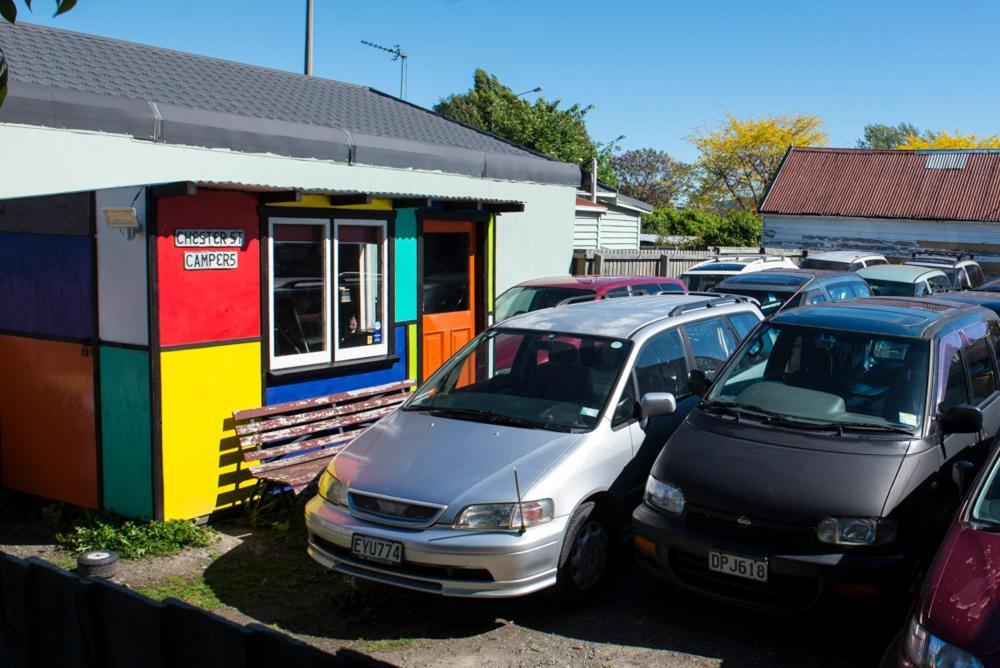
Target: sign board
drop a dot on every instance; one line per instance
(190, 238)
(194, 260)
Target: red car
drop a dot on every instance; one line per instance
(956, 617)
(556, 291)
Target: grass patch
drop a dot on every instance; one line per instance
(194, 591)
(132, 539)
(387, 644)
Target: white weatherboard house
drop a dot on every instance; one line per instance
(889, 202)
(608, 219)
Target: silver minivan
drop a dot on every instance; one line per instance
(516, 466)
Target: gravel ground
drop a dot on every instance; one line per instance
(264, 575)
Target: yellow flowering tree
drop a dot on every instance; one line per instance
(740, 156)
(945, 140)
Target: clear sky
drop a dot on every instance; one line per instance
(653, 70)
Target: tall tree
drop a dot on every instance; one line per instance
(945, 140)
(542, 126)
(740, 157)
(652, 176)
(886, 137)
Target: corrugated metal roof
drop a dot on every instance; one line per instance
(63, 79)
(888, 184)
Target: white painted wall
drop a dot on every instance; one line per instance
(123, 315)
(889, 236)
(585, 230)
(39, 161)
(614, 228)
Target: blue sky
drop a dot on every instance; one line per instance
(654, 70)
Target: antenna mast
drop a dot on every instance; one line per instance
(397, 54)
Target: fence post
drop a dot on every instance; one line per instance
(579, 264)
(598, 266)
(663, 265)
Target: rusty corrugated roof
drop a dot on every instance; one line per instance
(921, 185)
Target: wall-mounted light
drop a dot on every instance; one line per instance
(122, 218)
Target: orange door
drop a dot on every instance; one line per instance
(449, 290)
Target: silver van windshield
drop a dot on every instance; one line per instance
(533, 379)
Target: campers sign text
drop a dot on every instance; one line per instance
(209, 259)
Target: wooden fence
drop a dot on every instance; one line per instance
(50, 617)
(669, 262)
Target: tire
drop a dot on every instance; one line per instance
(890, 657)
(586, 551)
(97, 564)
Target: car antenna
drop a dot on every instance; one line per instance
(520, 508)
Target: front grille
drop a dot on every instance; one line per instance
(406, 568)
(774, 534)
(781, 592)
(397, 511)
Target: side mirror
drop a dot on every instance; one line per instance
(698, 382)
(960, 474)
(963, 419)
(656, 404)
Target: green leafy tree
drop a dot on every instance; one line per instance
(8, 8)
(652, 176)
(737, 228)
(887, 137)
(542, 126)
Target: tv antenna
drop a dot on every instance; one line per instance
(397, 54)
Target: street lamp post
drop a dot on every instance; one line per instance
(536, 89)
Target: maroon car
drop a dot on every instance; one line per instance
(556, 291)
(956, 617)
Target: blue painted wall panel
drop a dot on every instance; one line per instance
(277, 394)
(46, 285)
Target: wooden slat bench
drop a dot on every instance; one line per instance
(293, 442)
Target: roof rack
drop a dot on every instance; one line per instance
(714, 300)
(944, 255)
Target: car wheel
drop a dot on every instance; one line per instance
(97, 564)
(583, 561)
(890, 657)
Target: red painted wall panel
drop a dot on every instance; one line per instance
(48, 443)
(199, 306)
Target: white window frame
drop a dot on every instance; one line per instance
(375, 349)
(324, 356)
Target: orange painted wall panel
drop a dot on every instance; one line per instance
(47, 435)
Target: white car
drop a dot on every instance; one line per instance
(704, 276)
(842, 260)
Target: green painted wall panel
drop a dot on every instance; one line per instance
(125, 431)
(406, 265)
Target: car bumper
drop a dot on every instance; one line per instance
(798, 580)
(440, 559)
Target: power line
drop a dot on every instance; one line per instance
(397, 54)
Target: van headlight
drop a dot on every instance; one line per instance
(925, 650)
(505, 516)
(332, 489)
(664, 496)
(855, 531)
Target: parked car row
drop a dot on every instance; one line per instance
(819, 455)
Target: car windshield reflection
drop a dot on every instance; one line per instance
(526, 378)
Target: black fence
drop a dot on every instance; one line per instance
(50, 617)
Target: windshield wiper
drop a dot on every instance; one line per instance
(769, 417)
(870, 426)
(491, 417)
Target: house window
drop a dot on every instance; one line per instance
(300, 295)
(328, 291)
(360, 305)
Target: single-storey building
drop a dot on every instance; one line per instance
(889, 202)
(605, 218)
(181, 237)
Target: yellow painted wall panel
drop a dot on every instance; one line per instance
(321, 202)
(200, 389)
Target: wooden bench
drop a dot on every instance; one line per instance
(293, 442)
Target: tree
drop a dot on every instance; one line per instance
(651, 176)
(8, 8)
(740, 157)
(543, 127)
(738, 228)
(945, 140)
(886, 137)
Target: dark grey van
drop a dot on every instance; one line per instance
(779, 289)
(827, 458)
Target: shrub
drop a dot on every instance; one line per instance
(738, 228)
(133, 539)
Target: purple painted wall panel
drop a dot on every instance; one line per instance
(46, 285)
